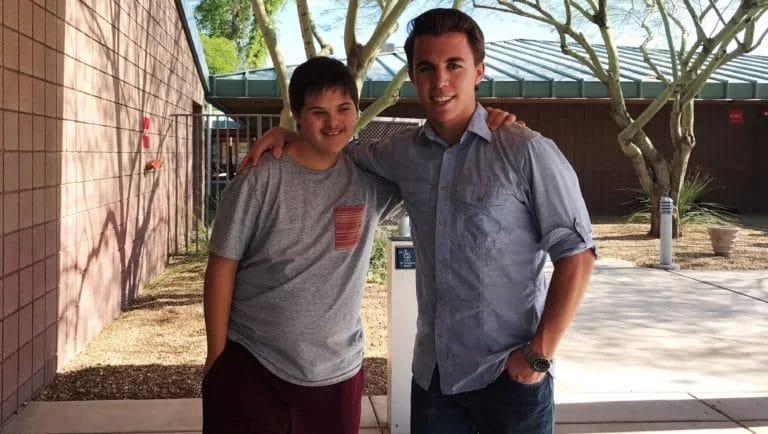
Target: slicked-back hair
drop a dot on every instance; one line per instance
(439, 21)
(319, 74)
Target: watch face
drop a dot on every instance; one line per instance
(541, 365)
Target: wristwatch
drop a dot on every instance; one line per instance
(538, 362)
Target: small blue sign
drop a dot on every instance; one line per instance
(405, 258)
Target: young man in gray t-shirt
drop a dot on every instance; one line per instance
(288, 258)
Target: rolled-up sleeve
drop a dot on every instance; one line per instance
(561, 214)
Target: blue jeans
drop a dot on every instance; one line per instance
(502, 407)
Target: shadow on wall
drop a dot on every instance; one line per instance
(131, 68)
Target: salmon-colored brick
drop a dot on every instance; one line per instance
(10, 335)
(38, 96)
(38, 212)
(25, 389)
(52, 170)
(38, 134)
(26, 286)
(51, 306)
(53, 132)
(25, 170)
(8, 408)
(25, 106)
(10, 90)
(10, 130)
(50, 100)
(25, 17)
(38, 179)
(11, 255)
(51, 65)
(38, 23)
(10, 294)
(50, 30)
(52, 203)
(10, 49)
(25, 120)
(25, 326)
(25, 60)
(38, 59)
(10, 377)
(11, 13)
(11, 212)
(25, 253)
(38, 378)
(11, 171)
(38, 281)
(52, 272)
(25, 209)
(38, 351)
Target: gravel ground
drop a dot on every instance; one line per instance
(156, 349)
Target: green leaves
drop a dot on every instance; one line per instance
(220, 54)
(234, 21)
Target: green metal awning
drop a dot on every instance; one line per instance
(521, 68)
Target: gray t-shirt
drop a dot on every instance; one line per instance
(303, 239)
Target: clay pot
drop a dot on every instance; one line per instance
(723, 239)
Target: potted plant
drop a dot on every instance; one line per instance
(723, 238)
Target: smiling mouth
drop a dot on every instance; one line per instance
(440, 99)
(332, 133)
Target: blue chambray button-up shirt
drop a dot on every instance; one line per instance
(484, 214)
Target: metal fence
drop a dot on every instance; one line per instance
(219, 143)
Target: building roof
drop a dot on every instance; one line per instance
(525, 68)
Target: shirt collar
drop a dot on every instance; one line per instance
(478, 125)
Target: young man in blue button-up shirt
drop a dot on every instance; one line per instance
(486, 209)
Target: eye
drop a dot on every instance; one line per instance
(424, 68)
(453, 65)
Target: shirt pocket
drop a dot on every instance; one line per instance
(483, 214)
(348, 226)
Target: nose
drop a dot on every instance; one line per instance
(332, 120)
(440, 79)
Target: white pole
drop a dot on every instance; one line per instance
(667, 208)
(404, 227)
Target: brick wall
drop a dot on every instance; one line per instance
(84, 225)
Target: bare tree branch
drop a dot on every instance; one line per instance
(647, 58)
(305, 24)
(325, 48)
(351, 46)
(696, 20)
(389, 98)
(668, 34)
(267, 30)
(385, 27)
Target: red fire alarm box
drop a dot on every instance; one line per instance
(145, 133)
(736, 116)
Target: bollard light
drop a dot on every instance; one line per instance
(667, 209)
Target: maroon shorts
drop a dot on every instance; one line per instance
(242, 396)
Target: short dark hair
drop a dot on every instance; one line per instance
(439, 21)
(317, 75)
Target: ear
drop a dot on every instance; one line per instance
(479, 72)
(410, 73)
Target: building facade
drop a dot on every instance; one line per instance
(95, 175)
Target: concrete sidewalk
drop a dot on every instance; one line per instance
(651, 351)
